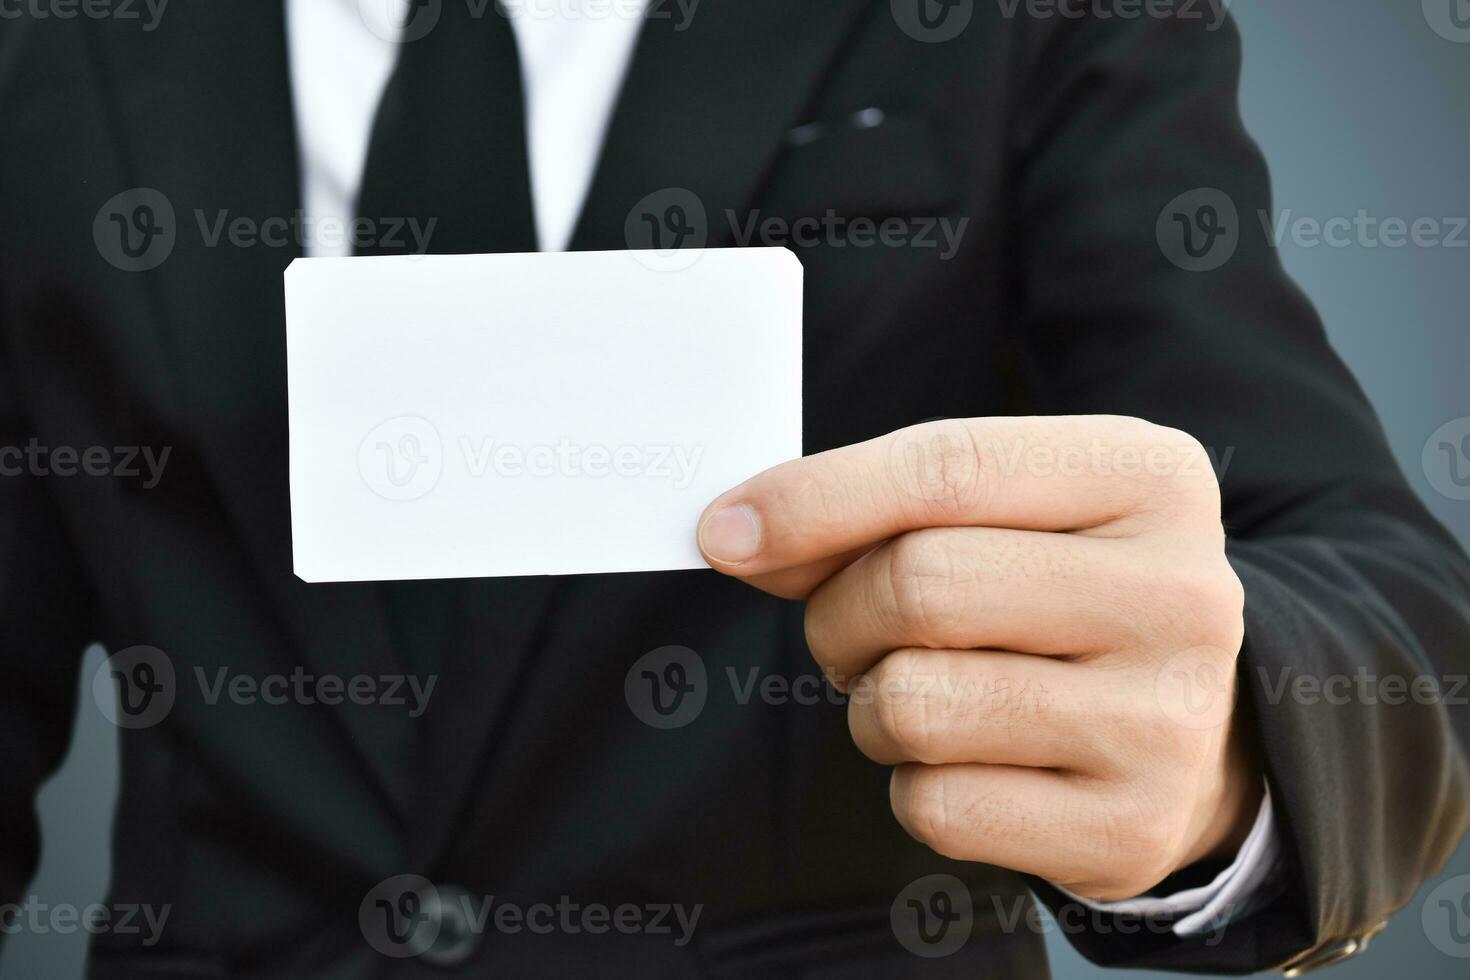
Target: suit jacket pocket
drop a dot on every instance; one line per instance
(869, 165)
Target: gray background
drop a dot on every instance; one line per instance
(1359, 105)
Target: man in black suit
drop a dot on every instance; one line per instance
(1032, 606)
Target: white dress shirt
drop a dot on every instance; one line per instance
(573, 59)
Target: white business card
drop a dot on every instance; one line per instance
(540, 414)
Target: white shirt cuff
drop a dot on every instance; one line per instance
(1210, 907)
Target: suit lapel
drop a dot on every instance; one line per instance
(705, 109)
(205, 109)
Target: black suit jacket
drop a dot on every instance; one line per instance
(529, 778)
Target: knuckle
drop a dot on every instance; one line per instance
(1172, 470)
(947, 813)
(922, 571)
(1226, 622)
(1193, 588)
(1137, 842)
(908, 710)
(941, 464)
(909, 727)
(817, 626)
(1192, 472)
(1232, 592)
(930, 708)
(926, 808)
(1210, 597)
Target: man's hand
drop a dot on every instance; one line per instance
(1035, 623)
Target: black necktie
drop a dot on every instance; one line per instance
(449, 141)
(448, 150)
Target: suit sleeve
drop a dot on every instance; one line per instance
(1127, 138)
(46, 622)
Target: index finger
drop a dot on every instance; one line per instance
(1065, 473)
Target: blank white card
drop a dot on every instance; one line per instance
(557, 413)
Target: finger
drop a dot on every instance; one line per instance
(939, 707)
(1043, 474)
(963, 588)
(1035, 821)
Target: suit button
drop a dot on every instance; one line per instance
(455, 939)
(1330, 954)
